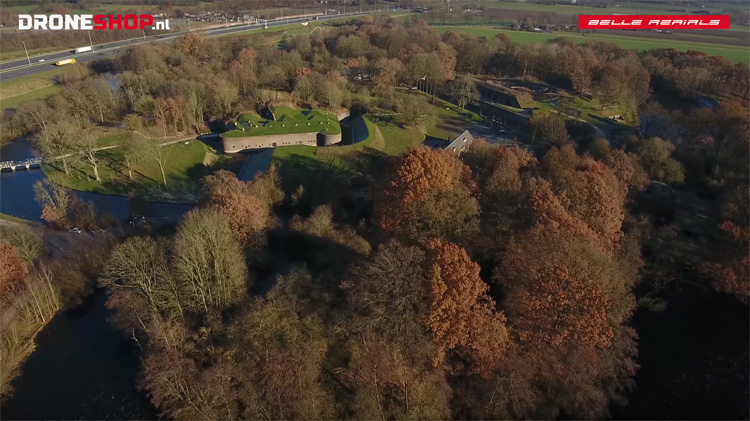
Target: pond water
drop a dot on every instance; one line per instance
(82, 368)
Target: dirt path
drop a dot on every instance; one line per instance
(379, 141)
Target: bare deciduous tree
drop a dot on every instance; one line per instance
(157, 151)
(208, 262)
(139, 264)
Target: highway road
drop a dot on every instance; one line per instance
(42, 63)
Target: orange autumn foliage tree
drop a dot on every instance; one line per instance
(233, 199)
(428, 194)
(546, 209)
(559, 298)
(12, 273)
(627, 170)
(501, 173)
(732, 274)
(597, 197)
(589, 191)
(569, 302)
(729, 264)
(568, 294)
(461, 314)
(403, 294)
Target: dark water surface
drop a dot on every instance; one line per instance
(694, 358)
(82, 368)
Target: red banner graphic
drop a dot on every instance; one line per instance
(653, 22)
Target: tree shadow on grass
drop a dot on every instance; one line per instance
(367, 161)
(387, 120)
(453, 125)
(337, 180)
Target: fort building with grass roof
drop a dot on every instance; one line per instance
(284, 126)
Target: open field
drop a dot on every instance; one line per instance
(185, 166)
(719, 37)
(571, 9)
(204, 6)
(113, 8)
(732, 53)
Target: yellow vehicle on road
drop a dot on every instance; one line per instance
(64, 62)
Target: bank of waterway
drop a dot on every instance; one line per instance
(82, 368)
(17, 192)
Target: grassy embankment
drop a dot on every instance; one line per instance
(281, 33)
(385, 135)
(11, 218)
(733, 53)
(41, 85)
(17, 340)
(185, 165)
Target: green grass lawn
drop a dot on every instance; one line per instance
(12, 218)
(335, 152)
(43, 75)
(284, 152)
(397, 139)
(185, 166)
(385, 134)
(287, 120)
(14, 101)
(571, 9)
(451, 120)
(732, 53)
(589, 110)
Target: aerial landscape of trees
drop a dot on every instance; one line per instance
(498, 283)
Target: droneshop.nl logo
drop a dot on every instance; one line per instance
(659, 22)
(89, 22)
